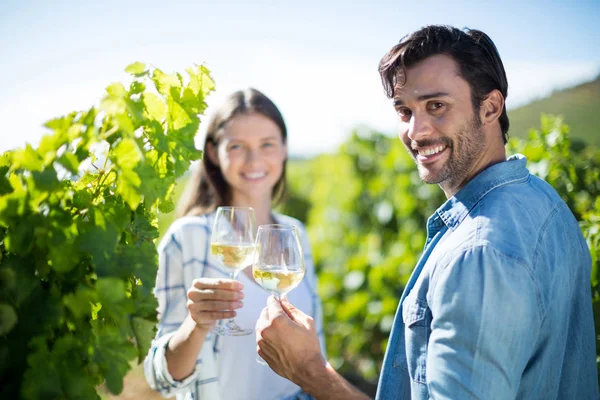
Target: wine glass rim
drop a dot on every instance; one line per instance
(234, 207)
(282, 227)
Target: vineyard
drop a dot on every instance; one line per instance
(79, 218)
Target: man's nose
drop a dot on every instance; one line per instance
(420, 127)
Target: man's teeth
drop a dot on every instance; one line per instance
(429, 152)
(255, 175)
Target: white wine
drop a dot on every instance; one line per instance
(233, 257)
(277, 280)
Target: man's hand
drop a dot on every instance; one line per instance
(287, 340)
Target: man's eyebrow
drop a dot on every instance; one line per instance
(399, 102)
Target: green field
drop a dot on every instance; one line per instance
(579, 106)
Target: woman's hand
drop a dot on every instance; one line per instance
(211, 299)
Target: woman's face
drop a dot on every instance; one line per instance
(250, 153)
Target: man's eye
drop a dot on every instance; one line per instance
(435, 105)
(404, 112)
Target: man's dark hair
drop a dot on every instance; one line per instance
(476, 55)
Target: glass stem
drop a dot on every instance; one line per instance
(232, 276)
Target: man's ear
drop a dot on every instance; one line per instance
(211, 153)
(491, 107)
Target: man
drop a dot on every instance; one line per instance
(499, 305)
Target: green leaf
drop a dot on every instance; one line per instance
(79, 303)
(7, 278)
(155, 106)
(165, 83)
(5, 186)
(46, 180)
(98, 241)
(200, 81)
(127, 154)
(114, 381)
(110, 290)
(8, 318)
(128, 187)
(27, 158)
(63, 258)
(166, 206)
(116, 90)
(70, 162)
(18, 239)
(136, 68)
(144, 332)
(178, 117)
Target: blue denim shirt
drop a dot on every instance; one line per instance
(499, 305)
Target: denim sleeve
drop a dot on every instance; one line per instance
(485, 322)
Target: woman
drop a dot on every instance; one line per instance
(244, 164)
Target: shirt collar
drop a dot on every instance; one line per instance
(456, 208)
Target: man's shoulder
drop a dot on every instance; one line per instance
(513, 218)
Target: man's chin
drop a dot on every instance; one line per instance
(428, 177)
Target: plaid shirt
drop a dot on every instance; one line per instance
(184, 256)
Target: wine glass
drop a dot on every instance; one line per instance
(232, 244)
(278, 264)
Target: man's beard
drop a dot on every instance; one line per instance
(465, 149)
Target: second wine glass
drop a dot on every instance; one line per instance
(232, 244)
(278, 264)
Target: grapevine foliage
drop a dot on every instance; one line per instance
(77, 234)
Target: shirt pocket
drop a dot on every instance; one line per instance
(417, 328)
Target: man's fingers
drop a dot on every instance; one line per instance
(289, 308)
(274, 307)
(296, 314)
(262, 320)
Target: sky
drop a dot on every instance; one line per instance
(317, 60)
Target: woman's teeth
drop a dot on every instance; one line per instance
(255, 175)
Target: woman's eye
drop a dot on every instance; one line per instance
(234, 147)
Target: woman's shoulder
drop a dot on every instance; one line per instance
(287, 220)
(189, 225)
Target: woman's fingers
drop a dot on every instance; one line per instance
(209, 317)
(195, 294)
(215, 289)
(214, 283)
(213, 299)
(215, 305)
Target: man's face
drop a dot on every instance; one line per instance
(437, 123)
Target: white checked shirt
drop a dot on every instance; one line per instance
(226, 368)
